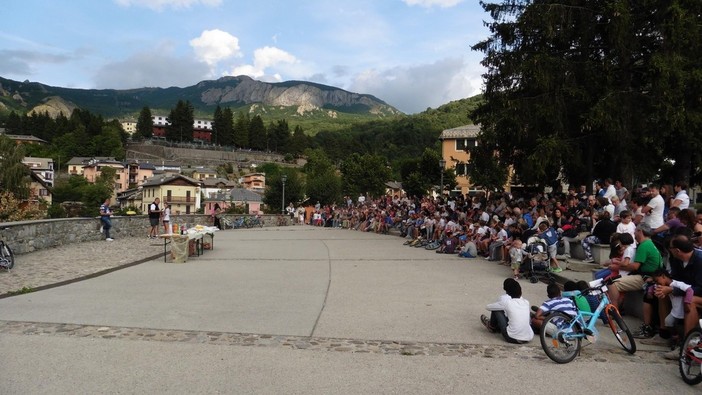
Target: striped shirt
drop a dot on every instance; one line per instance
(564, 305)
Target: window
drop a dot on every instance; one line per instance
(460, 144)
(461, 169)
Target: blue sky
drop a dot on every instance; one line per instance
(413, 54)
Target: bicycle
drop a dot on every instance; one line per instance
(561, 335)
(7, 257)
(689, 364)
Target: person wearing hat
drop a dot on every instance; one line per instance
(647, 261)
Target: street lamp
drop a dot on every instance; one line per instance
(442, 163)
(283, 178)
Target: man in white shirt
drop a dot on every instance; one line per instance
(681, 198)
(510, 315)
(653, 211)
(609, 189)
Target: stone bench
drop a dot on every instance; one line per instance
(600, 252)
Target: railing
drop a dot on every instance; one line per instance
(179, 199)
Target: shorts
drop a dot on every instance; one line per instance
(515, 265)
(632, 282)
(553, 250)
(153, 221)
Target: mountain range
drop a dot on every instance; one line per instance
(284, 99)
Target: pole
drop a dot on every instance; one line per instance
(282, 203)
(442, 163)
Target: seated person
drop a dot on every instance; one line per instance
(555, 302)
(510, 315)
(678, 299)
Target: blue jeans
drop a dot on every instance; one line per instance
(106, 225)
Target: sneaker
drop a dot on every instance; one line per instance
(656, 340)
(556, 270)
(673, 354)
(516, 277)
(109, 239)
(589, 260)
(645, 332)
(486, 322)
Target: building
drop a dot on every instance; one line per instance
(181, 192)
(203, 173)
(254, 182)
(38, 190)
(22, 138)
(212, 187)
(42, 167)
(244, 197)
(139, 172)
(92, 170)
(129, 127)
(453, 151)
(201, 132)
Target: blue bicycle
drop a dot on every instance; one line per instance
(562, 335)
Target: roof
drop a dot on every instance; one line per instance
(461, 132)
(215, 182)
(241, 195)
(166, 179)
(393, 185)
(43, 163)
(24, 137)
(85, 160)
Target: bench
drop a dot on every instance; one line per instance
(600, 253)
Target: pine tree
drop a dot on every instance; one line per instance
(145, 124)
(181, 121)
(241, 130)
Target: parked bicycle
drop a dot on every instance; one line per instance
(562, 335)
(690, 362)
(7, 258)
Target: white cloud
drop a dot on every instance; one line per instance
(413, 89)
(160, 5)
(215, 45)
(431, 3)
(268, 58)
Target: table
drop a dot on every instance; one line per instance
(195, 235)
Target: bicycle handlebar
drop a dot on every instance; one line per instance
(595, 285)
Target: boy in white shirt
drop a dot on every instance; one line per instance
(510, 315)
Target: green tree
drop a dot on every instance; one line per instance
(222, 133)
(14, 176)
(145, 124)
(279, 136)
(257, 134)
(273, 195)
(181, 120)
(323, 183)
(241, 130)
(298, 142)
(364, 174)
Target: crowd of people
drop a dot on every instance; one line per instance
(653, 233)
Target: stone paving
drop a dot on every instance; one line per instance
(388, 347)
(67, 263)
(47, 268)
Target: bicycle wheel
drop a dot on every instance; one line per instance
(620, 329)
(560, 337)
(690, 365)
(7, 255)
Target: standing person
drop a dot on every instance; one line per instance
(105, 214)
(510, 315)
(154, 218)
(653, 211)
(167, 219)
(216, 212)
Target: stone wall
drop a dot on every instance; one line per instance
(28, 236)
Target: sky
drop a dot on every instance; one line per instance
(412, 54)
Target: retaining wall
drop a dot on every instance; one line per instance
(28, 236)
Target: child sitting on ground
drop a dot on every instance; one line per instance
(555, 302)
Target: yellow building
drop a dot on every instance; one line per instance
(181, 192)
(453, 151)
(254, 182)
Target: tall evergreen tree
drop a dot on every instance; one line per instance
(181, 121)
(279, 136)
(222, 127)
(145, 124)
(227, 137)
(14, 176)
(257, 134)
(241, 130)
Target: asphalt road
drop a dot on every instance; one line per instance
(297, 310)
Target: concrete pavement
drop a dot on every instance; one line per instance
(294, 310)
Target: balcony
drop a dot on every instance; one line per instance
(179, 200)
